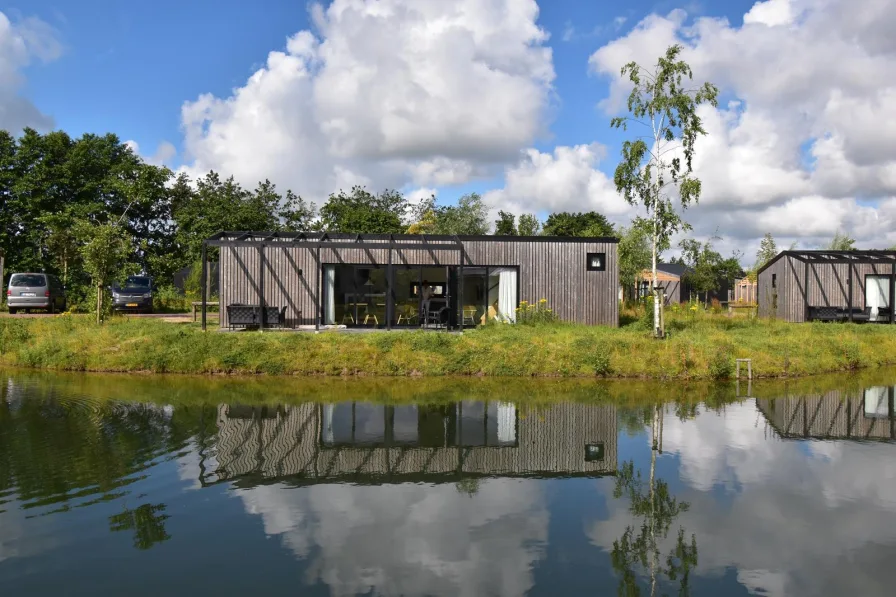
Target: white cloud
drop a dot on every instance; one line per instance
(21, 43)
(812, 125)
(792, 517)
(163, 156)
(385, 93)
(438, 541)
(565, 180)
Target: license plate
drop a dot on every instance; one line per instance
(28, 294)
(132, 304)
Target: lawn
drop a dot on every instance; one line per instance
(699, 347)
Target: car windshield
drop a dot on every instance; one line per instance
(28, 280)
(137, 282)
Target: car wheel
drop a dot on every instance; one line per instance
(51, 309)
(12, 311)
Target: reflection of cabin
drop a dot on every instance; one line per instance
(836, 415)
(375, 443)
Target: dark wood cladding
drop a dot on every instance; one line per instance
(551, 270)
(834, 415)
(287, 442)
(828, 286)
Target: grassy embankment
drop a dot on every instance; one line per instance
(699, 348)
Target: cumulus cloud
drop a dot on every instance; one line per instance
(809, 123)
(440, 541)
(163, 156)
(22, 43)
(385, 94)
(568, 179)
(792, 517)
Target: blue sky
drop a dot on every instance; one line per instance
(127, 67)
(809, 150)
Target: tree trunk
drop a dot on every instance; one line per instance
(657, 321)
(99, 303)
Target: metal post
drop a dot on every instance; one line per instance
(204, 276)
(806, 292)
(260, 286)
(317, 292)
(892, 288)
(390, 291)
(460, 282)
(849, 288)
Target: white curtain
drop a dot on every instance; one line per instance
(877, 293)
(328, 424)
(330, 293)
(507, 300)
(506, 423)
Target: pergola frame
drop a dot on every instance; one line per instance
(326, 240)
(851, 257)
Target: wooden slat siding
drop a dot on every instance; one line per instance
(550, 441)
(557, 272)
(827, 284)
(834, 415)
(789, 289)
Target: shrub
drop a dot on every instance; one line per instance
(535, 313)
(721, 365)
(716, 306)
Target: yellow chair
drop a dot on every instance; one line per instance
(348, 314)
(409, 314)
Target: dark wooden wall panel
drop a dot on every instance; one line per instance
(555, 271)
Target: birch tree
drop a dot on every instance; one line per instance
(656, 167)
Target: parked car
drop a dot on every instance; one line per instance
(134, 295)
(35, 291)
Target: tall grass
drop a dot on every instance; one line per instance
(698, 347)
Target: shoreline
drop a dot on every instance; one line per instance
(698, 349)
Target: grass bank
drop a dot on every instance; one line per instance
(699, 348)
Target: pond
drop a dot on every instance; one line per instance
(145, 485)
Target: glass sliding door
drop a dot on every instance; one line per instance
(406, 301)
(472, 304)
(329, 289)
(371, 289)
(436, 298)
(877, 295)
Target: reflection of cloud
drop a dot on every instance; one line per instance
(410, 539)
(795, 515)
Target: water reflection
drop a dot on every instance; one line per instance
(789, 492)
(365, 442)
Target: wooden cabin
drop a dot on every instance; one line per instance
(388, 281)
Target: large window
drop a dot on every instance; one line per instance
(877, 295)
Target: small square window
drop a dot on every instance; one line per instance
(597, 262)
(594, 452)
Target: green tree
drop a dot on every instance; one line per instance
(468, 217)
(842, 242)
(361, 212)
(505, 225)
(768, 249)
(649, 174)
(634, 254)
(528, 225)
(566, 223)
(104, 249)
(295, 214)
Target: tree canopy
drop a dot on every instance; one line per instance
(589, 223)
(468, 217)
(362, 212)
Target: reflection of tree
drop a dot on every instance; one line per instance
(147, 522)
(468, 485)
(639, 550)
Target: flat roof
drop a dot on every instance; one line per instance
(343, 240)
(834, 257)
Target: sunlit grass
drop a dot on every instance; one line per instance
(699, 347)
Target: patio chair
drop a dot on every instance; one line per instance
(408, 314)
(469, 314)
(348, 314)
(368, 315)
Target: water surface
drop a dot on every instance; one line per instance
(184, 486)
